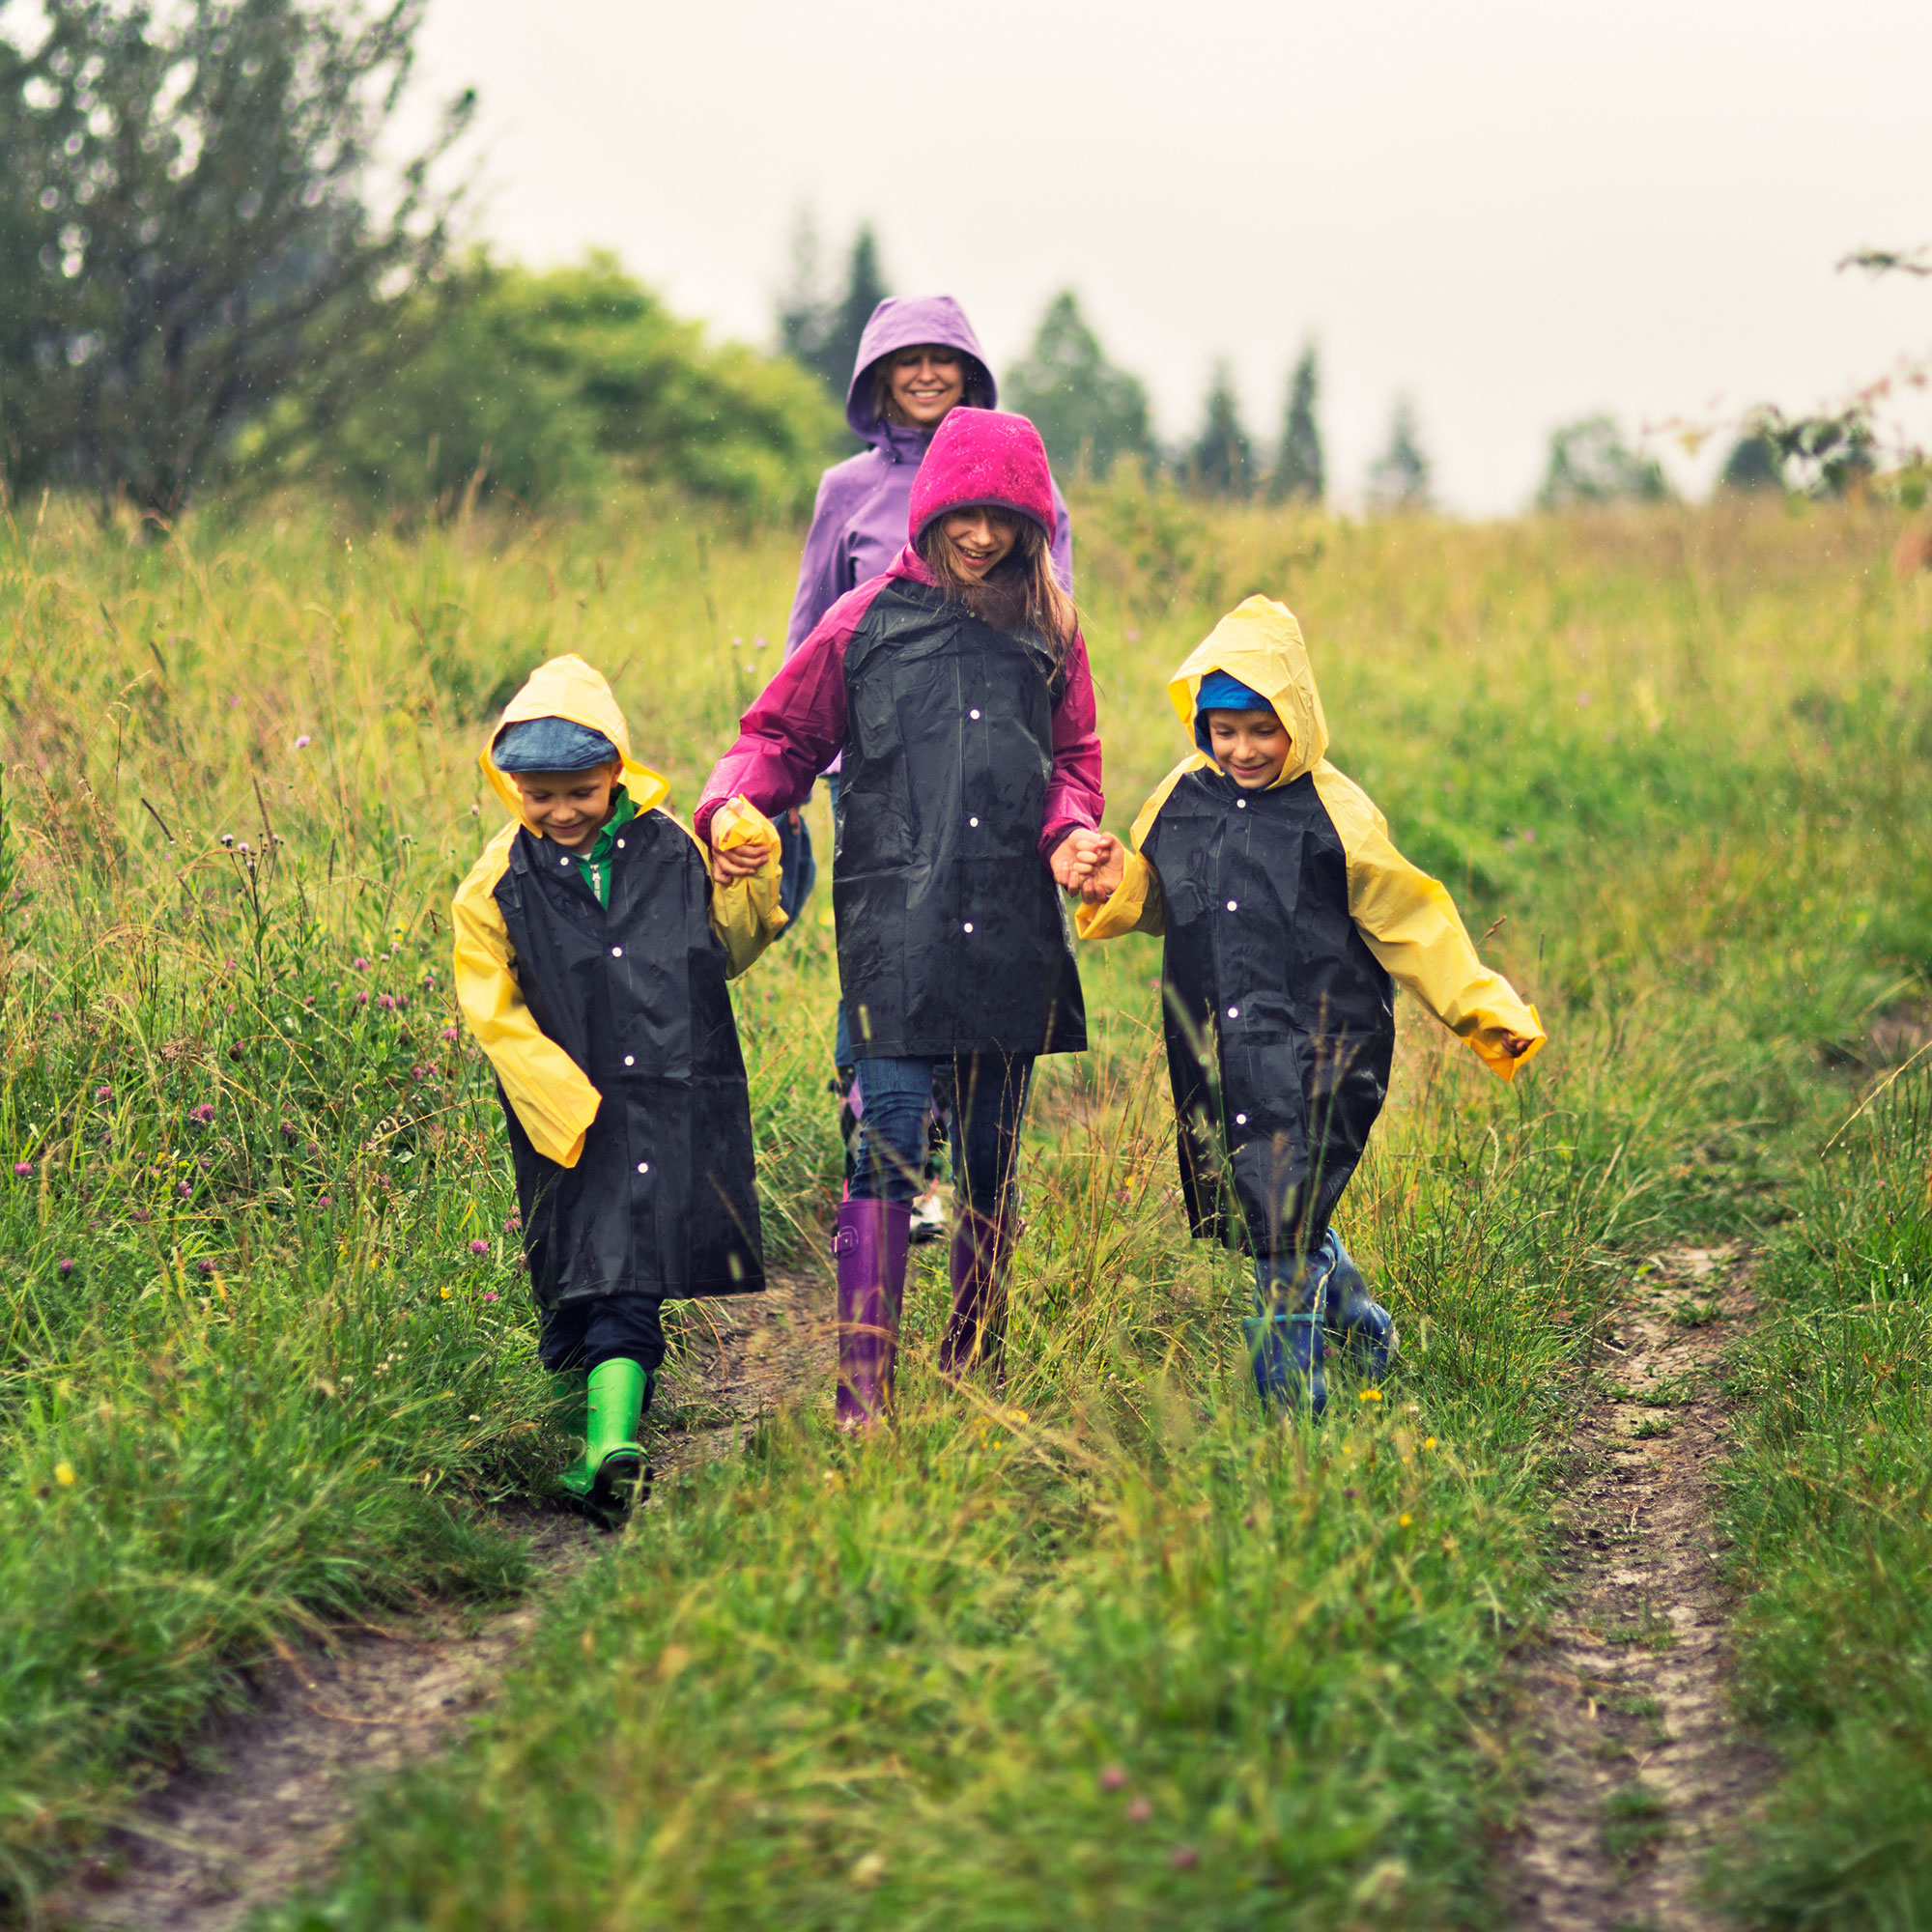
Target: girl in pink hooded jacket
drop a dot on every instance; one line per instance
(955, 687)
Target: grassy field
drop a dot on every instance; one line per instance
(1116, 1646)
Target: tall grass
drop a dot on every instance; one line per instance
(1104, 1641)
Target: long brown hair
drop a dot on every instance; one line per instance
(1020, 593)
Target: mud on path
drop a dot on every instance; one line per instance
(265, 1798)
(1639, 1767)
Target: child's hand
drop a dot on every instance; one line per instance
(1108, 869)
(1081, 857)
(735, 862)
(1517, 1044)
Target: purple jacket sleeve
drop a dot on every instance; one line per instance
(796, 726)
(1063, 543)
(818, 586)
(1073, 795)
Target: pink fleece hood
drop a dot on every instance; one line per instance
(984, 456)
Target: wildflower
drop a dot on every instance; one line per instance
(359, 964)
(479, 1247)
(243, 846)
(1113, 1779)
(419, 1072)
(66, 1264)
(63, 1474)
(228, 966)
(387, 1001)
(103, 1093)
(1370, 1395)
(363, 998)
(324, 1201)
(449, 1033)
(1429, 1442)
(185, 1190)
(204, 1267)
(203, 1113)
(228, 837)
(1183, 1858)
(24, 1168)
(1138, 1811)
(512, 1224)
(141, 1215)
(302, 743)
(445, 1290)
(489, 1295)
(1348, 1496)
(1403, 1521)
(309, 1000)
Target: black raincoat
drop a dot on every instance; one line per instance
(663, 1200)
(1280, 1022)
(952, 938)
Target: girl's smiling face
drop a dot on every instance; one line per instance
(982, 537)
(1250, 746)
(569, 807)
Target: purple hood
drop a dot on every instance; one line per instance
(903, 321)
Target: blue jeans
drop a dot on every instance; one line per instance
(988, 1106)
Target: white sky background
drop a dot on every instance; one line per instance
(1518, 213)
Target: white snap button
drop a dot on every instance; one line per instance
(973, 714)
(971, 821)
(1233, 1012)
(1240, 804)
(621, 844)
(616, 953)
(643, 1167)
(1241, 1120)
(563, 862)
(630, 1059)
(1232, 907)
(969, 926)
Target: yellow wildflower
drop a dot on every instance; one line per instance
(63, 1474)
(1405, 1520)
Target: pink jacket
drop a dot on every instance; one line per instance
(796, 726)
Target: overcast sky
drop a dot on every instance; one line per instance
(1519, 213)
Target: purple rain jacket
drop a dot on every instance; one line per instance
(858, 522)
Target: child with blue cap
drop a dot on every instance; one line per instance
(592, 950)
(1288, 919)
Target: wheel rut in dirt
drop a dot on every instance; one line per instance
(1640, 1768)
(266, 1797)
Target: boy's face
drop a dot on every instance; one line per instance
(569, 807)
(1250, 746)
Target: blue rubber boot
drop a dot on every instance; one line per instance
(1362, 1331)
(1285, 1340)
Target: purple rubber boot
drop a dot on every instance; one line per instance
(869, 1248)
(976, 1335)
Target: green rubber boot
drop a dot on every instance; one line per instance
(610, 1477)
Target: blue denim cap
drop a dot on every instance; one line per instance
(1220, 691)
(551, 745)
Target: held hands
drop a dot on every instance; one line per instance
(1089, 863)
(740, 856)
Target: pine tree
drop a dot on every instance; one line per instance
(1300, 470)
(823, 332)
(1222, 461)
(1088, 413)
(1399, 478)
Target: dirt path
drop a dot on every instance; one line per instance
(267, 1798)
(1642, 1768)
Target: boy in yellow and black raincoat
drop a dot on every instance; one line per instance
(1288, 919)
(592, 950)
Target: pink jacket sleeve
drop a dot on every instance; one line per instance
(1074, 796)
(796, 726)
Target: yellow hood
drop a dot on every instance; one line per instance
(568, 688)
(1259, 643)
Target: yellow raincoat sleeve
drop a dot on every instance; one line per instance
(1136, 904)
(553, 1098)
(746, 913)
(1411, 926)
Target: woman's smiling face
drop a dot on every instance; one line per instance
(982, 537)
(927, 384)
